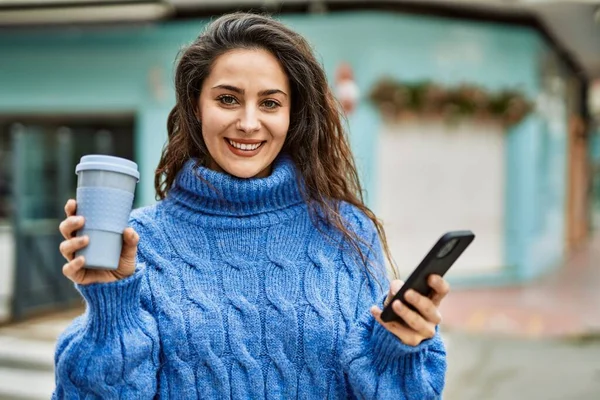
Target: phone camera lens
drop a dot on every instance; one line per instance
(448, 247)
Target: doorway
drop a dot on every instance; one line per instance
(38, 177)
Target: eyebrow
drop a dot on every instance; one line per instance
(266, 92)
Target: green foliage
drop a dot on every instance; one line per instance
(426, 99)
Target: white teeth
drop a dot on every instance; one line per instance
(242, 146)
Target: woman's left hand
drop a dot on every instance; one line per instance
(418, 325)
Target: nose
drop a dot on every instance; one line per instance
(249, 121)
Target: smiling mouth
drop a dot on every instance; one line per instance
(245, 146)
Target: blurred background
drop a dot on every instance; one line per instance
(481, 115)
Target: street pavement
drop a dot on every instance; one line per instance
(27, 357)
(488, 367)
(537, 341)
(563, 303)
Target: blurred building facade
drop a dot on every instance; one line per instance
(69, 91)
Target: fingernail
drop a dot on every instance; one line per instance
(410, 295)
(79, 260)
(398, 304)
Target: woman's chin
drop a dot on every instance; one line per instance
(247, 169)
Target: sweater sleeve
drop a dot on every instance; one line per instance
(377, 364)
(112, 350)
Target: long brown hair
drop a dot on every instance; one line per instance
(316, 139)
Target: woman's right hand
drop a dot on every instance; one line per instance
(74, 270)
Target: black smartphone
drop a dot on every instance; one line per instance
(437, 262)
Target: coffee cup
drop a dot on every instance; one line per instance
(105, 193)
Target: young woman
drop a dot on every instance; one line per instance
(260, 273)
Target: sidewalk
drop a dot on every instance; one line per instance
(27, 356)
(565, 303)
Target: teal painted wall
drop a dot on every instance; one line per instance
(98, 71)
(94, 70)
(535, 198)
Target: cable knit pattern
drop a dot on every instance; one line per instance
(241, 287)
(282, 288)
(238, 295)
(204, 329)
(319, 322)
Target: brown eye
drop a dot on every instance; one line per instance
(270, 104)
(227, 100)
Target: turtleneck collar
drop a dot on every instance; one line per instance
(219, 193)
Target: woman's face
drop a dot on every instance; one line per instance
(244, 109)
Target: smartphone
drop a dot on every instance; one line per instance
(437, 262)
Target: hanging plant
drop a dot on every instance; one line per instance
(399, 100)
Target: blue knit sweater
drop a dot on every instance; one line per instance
(238, 295)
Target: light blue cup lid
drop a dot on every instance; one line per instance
(108, 163)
